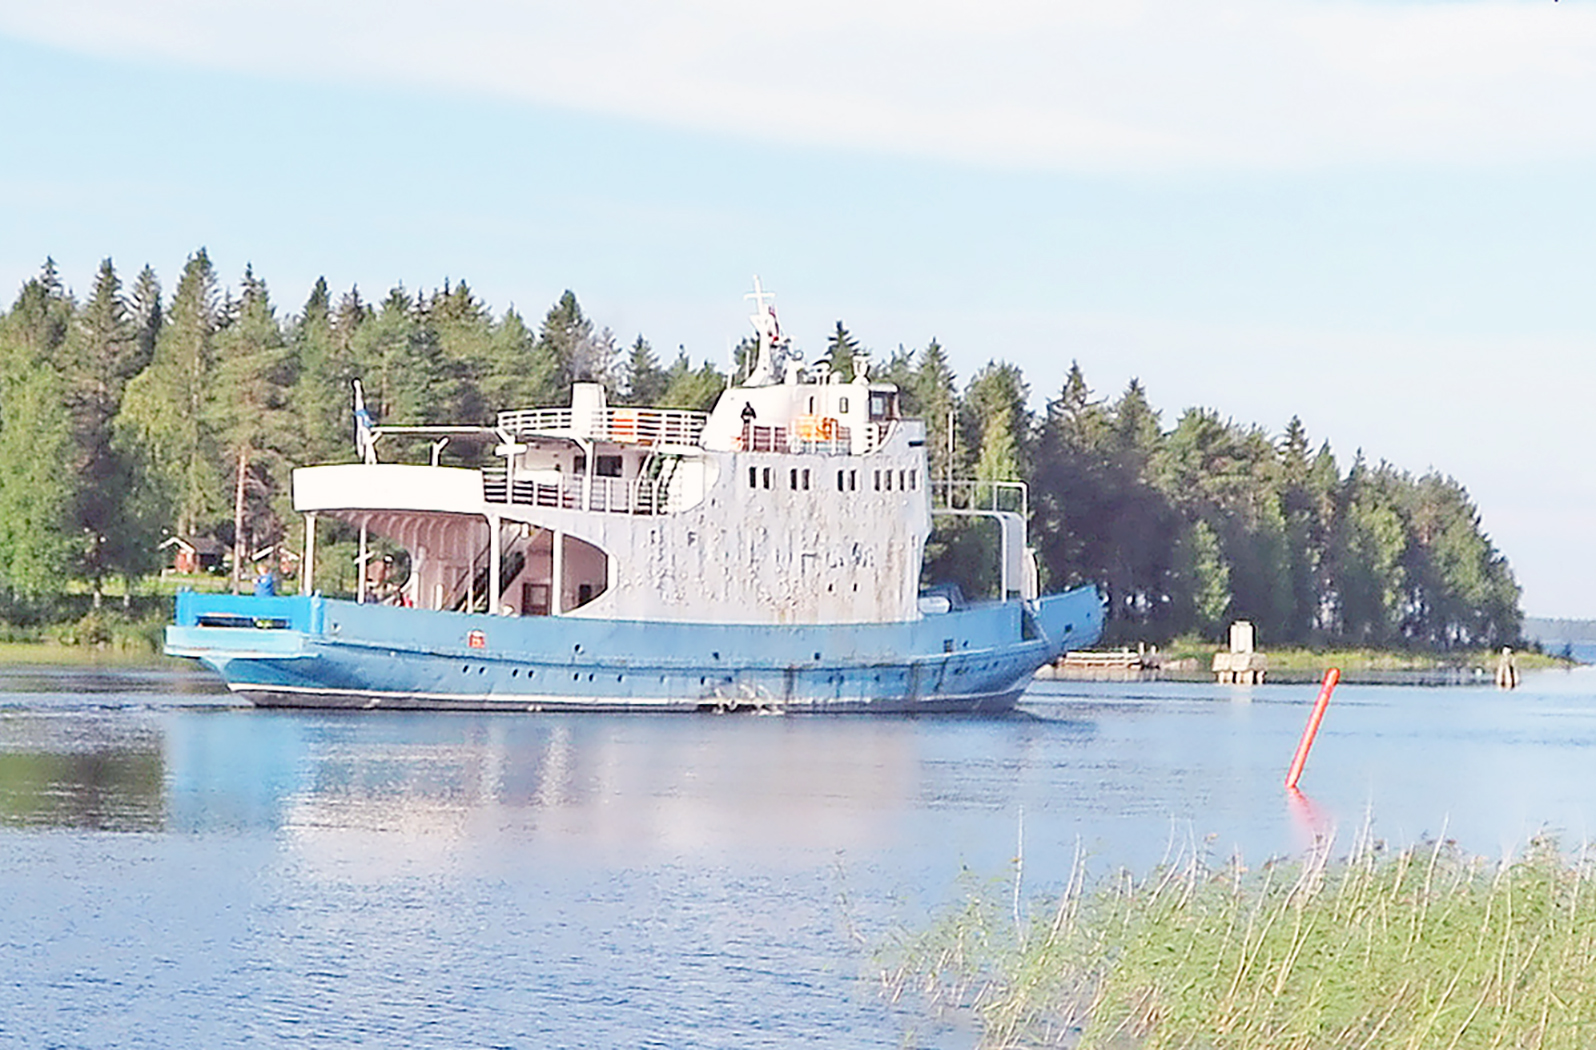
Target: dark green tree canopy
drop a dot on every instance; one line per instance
(124, 416)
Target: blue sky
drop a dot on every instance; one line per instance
(1378, 216)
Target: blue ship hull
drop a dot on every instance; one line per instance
(320, 652)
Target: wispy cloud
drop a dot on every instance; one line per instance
(1051, 84)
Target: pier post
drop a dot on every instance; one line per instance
(1506, 670)
(557, 574)
(307, 566)
(495, 553)
(360, 590)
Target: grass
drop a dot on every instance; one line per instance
(1422, 948)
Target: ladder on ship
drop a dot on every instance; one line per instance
(653, 497)
(471, 592)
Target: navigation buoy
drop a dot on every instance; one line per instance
(1331, 677)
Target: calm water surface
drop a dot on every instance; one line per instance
(176, 871)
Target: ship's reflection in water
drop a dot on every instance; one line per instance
(228, 876)
(600, 789)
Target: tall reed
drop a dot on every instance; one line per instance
(1427, 947)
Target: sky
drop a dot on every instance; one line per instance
(1377, 216)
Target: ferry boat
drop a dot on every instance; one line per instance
(763, 556)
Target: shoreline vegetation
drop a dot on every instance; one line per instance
(1422, 947)
(1299, 664)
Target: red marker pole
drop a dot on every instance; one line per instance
(1331, 677)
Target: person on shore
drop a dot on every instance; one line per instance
(265, 581)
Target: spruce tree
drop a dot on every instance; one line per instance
(937, 403)
(405, 373)
(105, 351)
(320, 399)
(645, 379)
(167, 408)
(579, 352)
(38, 539)
(254, 428)
(840, 350)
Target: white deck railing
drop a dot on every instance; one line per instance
(609, 495)
(624, 426)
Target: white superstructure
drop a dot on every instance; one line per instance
(801, 499)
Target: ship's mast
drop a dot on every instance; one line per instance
(766, 369)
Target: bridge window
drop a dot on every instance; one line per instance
(607, 466)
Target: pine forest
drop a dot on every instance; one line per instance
(129, 417)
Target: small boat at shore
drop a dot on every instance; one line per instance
(763, 556)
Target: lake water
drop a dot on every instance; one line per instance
(178, 871)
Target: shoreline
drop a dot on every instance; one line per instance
(56, 654)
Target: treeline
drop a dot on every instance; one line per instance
(1189, 528)
(126, 418)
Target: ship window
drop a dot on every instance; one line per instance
(878, 406)
(765, 477)
(842, 405)
(889, 481)
(579, 463)
(811, 406)
(840, 486)
(914, 480)
(853, 480)
(792, 478)
(878, 481)
(607, 466)
(753, 477)
(806, 479)
(901, 485)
